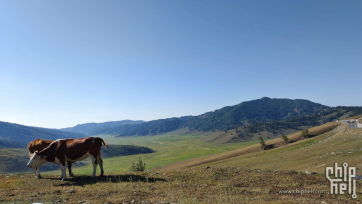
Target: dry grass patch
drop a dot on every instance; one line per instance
(355, 117)
(198, 185)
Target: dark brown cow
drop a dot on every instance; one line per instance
(39, 145)
(61, 151)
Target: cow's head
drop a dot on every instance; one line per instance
(36, 160)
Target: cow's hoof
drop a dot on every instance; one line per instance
(71, 175)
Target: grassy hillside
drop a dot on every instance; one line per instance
(214, 185)
(244, 151)
(238, 135)
(314, 154)
(14, 160)
(332, 144)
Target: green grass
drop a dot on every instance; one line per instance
(314, 154)
(205, 160)
(169, 148)
(14, 160)
(14, 152)
(197, 185)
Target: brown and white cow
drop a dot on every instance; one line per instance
(39, 145)
(61, 151)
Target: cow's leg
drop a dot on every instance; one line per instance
(100, 162)
(64, 173)
(94, 162)
(70, 169)
(63, 168)
(37, 172)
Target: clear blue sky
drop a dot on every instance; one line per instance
(64, 63)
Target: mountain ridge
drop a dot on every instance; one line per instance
(228, 117)
(256, 115)
(249, 112)
(25, 134)
(93, 128)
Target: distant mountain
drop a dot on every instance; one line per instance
(274, 129)
(26, 134)
(245, 113)
(249, 112)
(99, 128)
(256, 115)
(327, 115)
(11, 144)
(153, 127)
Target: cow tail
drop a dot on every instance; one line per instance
(104, 143)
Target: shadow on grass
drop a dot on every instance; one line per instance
(84, 180)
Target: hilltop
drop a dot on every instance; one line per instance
(255, 111)
(245, 113)
(26, 134)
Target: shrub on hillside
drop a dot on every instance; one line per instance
(139, 166)
(285, 138)
(262, 143)
(305, 133)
